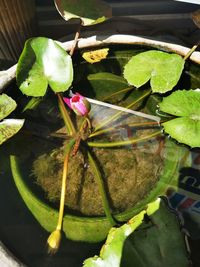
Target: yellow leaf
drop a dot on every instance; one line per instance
(95, 55)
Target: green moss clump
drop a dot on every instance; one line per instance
(129, 174)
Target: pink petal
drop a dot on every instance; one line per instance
(67, 101)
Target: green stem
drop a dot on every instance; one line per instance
(123, 143)
(67, 120)
(110, 119)
(63, 186)
(101, 189)
(118, 92)
(137, 124)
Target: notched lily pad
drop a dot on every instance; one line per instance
(43, 62)
(162, 69)
(186, 106)
(90, 11)
(157, 241)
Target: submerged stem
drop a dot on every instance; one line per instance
(101, 189)
(110, 119)
(123, 143)
(68, 122)
(136, 124)
(118, 92)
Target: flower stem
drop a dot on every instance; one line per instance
(63, 186)
(110, 119)
(123, 143)
(68, 122)
(55, 237)
(101, 189)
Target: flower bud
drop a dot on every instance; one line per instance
(79, 104)
(53, 241)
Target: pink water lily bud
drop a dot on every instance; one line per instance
(79, 104)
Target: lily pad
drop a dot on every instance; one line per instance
(90, 11)
(8, 128)
(186, 105)
(151, 238)
(162, 69)
(7, 105)
(43, 62)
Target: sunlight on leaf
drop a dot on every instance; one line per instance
(90, 11)
(43, 62)
(162, 69)
(139, 243)
(8, 128)
(7, 105)
(185, 105)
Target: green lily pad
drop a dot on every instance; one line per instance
(162, 69)
(185, 105)
(43, 62)
(8, 128)
(7, 105)
(151, 238)
(90, 11)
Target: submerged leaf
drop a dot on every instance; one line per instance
(186, 105)
(162, 69)
(157, 241)
(43, 62)
(7, 105)
(90, 11)
(105, 84)
(8, 128)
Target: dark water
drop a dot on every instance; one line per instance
(22, 233)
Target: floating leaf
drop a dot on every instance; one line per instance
(7, 105)
(185, 105)
(90, 11)
(162, 69)
(157, 241)
(8, 128)
(43, 62)
(95, 55)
